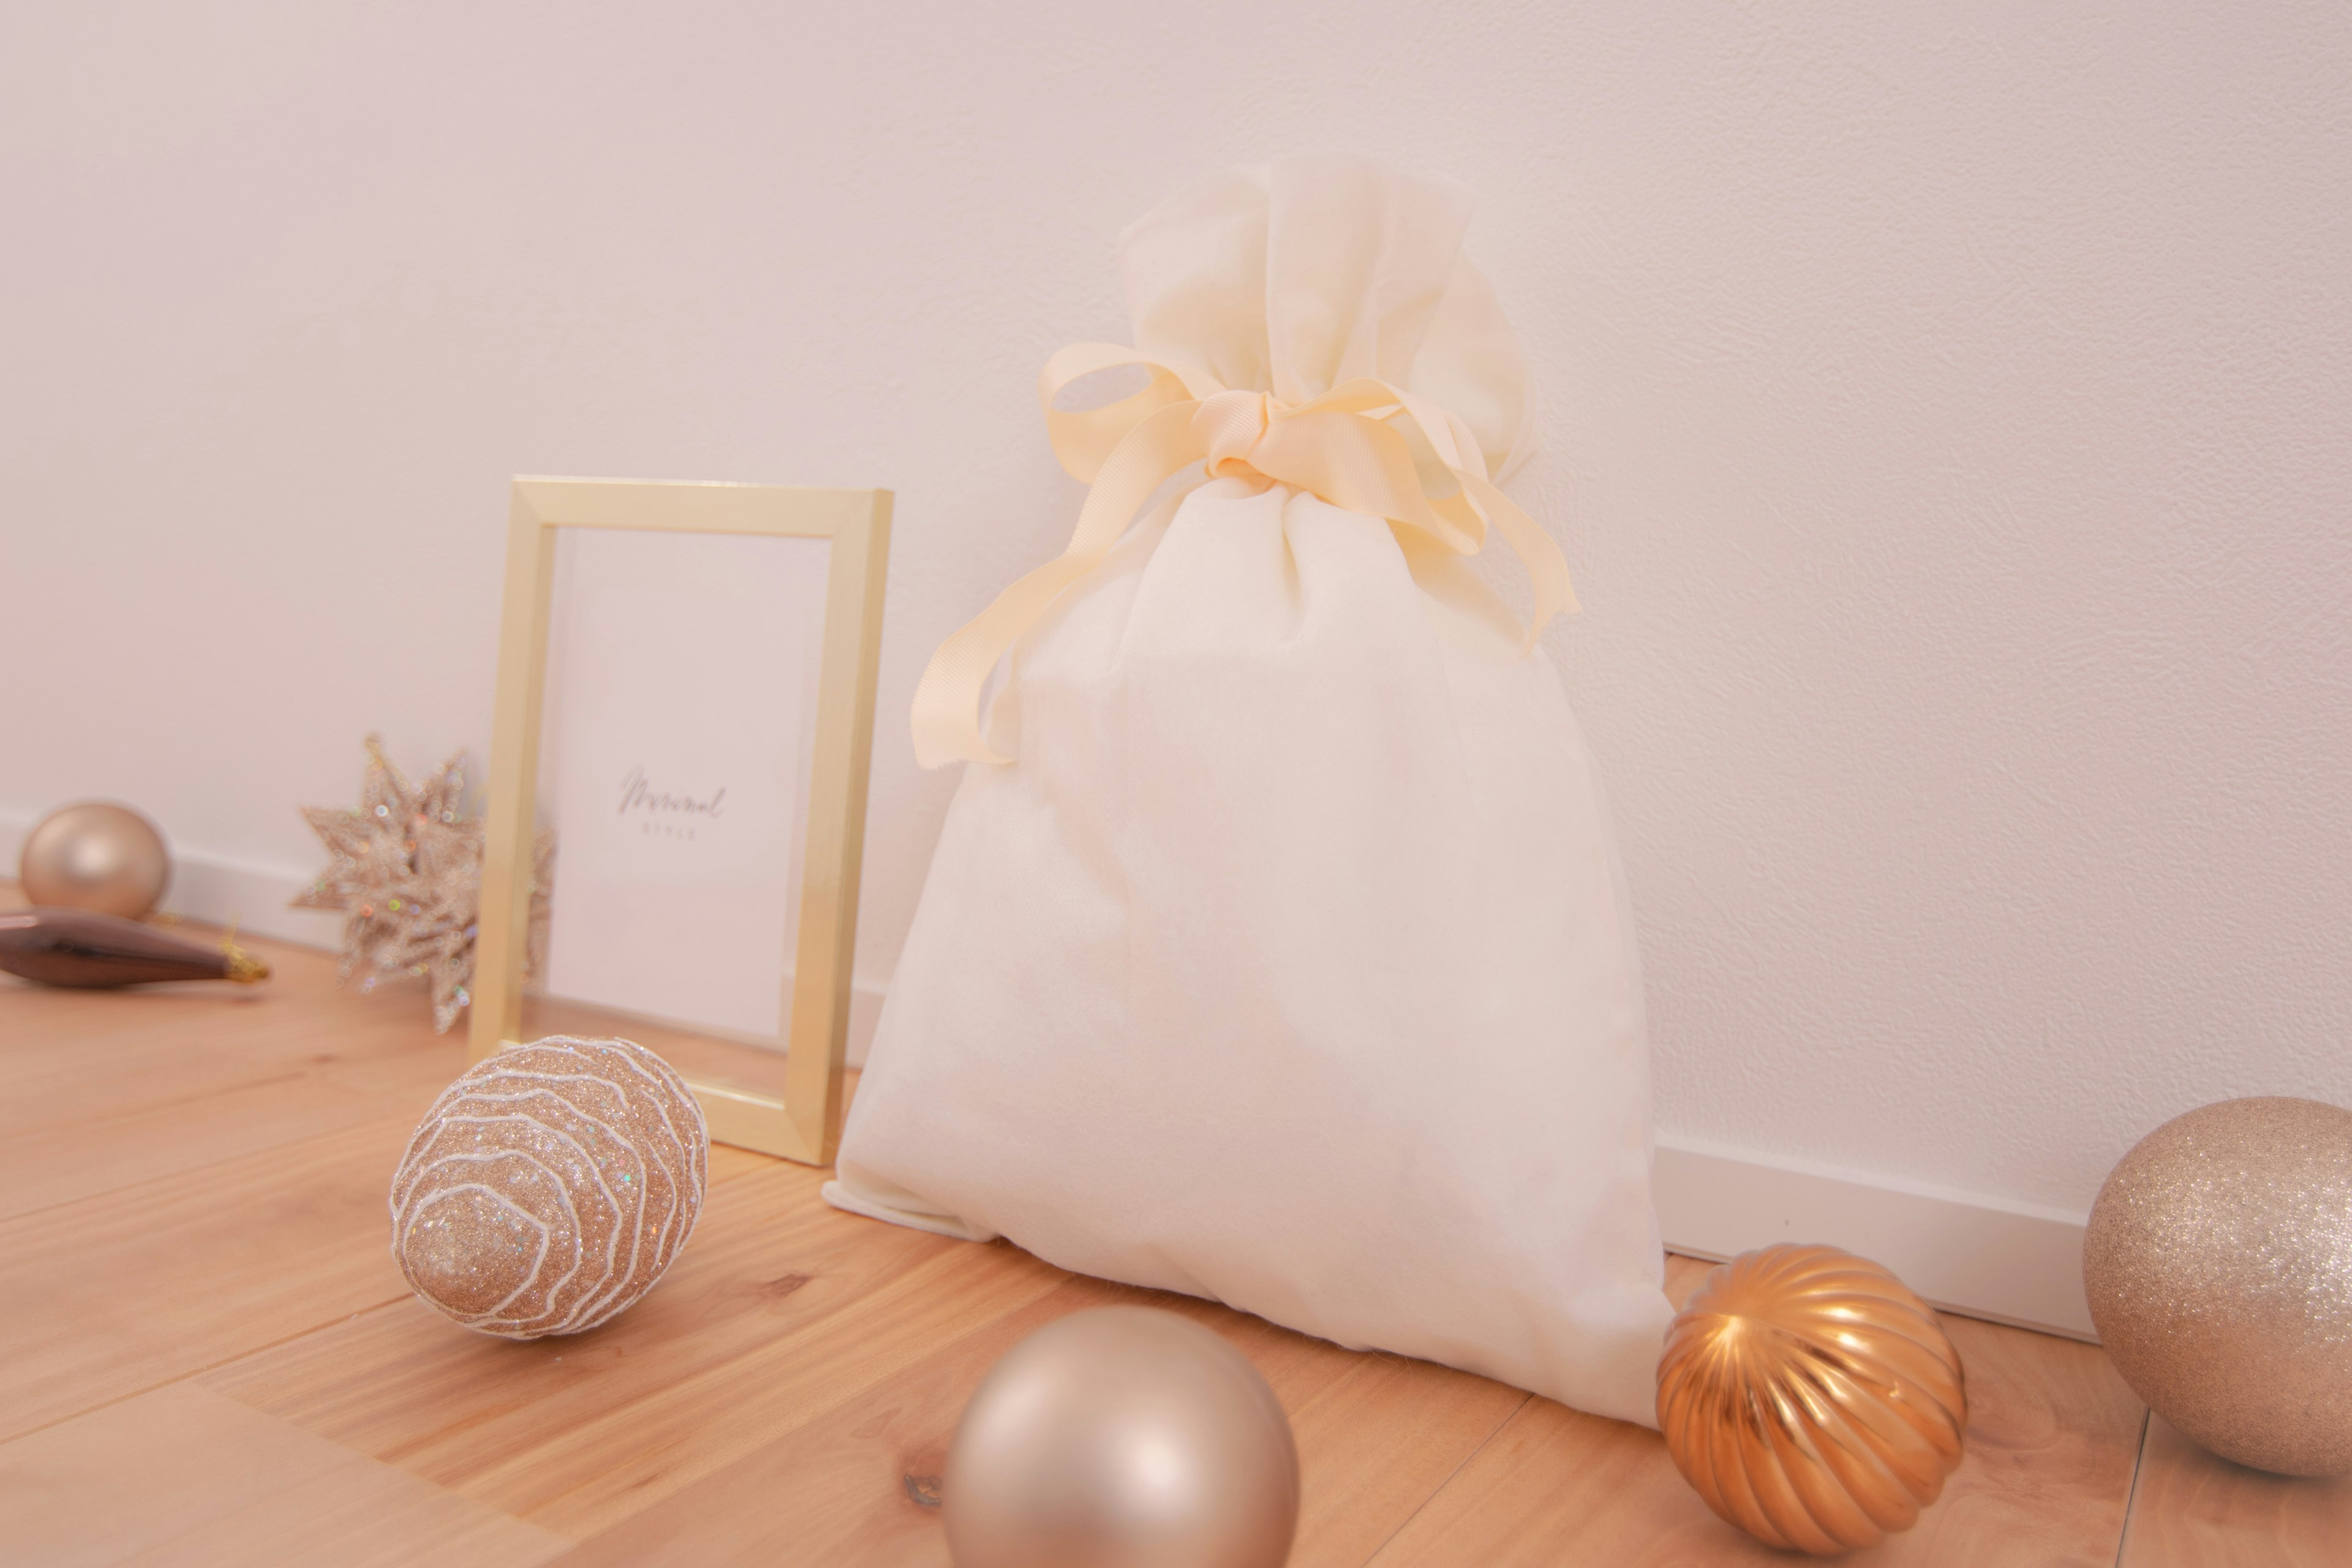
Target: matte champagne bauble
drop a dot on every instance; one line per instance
(1122, 1437)
(2219, 1266)
(1811, 1399)
(95, 855)
(549, 1186)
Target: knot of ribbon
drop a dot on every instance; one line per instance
(1230, 425)
(1365, 447)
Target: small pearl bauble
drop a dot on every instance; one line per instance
(549, 1186)
(1122, 1437)
(2219, 1266)
(95, 855)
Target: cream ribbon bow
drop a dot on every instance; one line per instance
(1345, 447)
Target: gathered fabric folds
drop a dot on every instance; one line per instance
(1276, 950)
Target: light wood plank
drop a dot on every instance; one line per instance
(778, 1310)
(183, 1476)
(2193, 1509)
(863, 1483)
(114, 1294)
(99, 1153)
(858, 1484)
(100, 1090)
(1378, 1442)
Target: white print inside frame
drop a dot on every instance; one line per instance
(677, 743)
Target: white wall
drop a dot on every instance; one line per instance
(1948, 410)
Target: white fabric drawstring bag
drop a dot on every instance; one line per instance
(1274, 950)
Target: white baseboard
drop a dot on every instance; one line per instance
(1982, 1257)
(221, 889)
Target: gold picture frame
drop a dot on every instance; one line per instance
(805, 1122)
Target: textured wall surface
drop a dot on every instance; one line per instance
(1947, 416)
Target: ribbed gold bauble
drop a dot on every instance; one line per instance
(1811, 1399)
(2219, 1266)
(95, 855)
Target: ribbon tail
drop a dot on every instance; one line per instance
(946, 717)
(1537, 551)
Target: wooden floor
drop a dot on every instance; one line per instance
(206, 1355)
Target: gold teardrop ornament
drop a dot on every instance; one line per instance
(1811, 1399)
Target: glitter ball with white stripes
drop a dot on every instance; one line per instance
(549, 1186)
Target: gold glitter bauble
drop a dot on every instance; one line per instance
(2219, 1266)
(95, 855)
(1810, 1399)
(1122, 1437)
(549, 1186)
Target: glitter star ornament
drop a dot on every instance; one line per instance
(407, 872)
